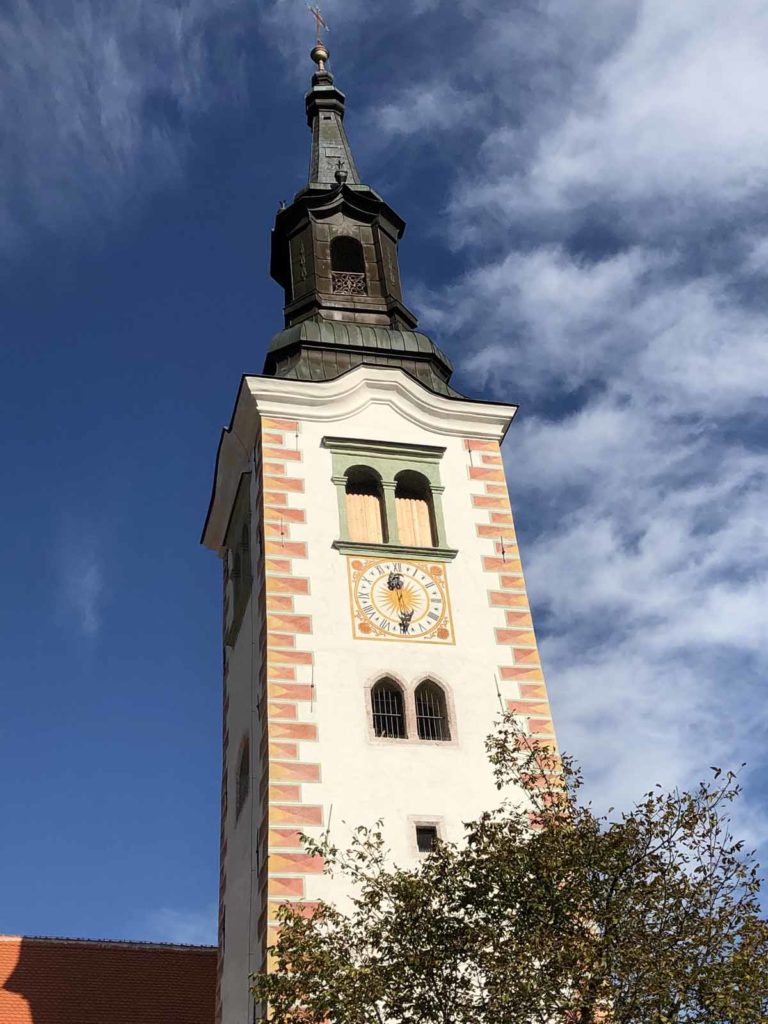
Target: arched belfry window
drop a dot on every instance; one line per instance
(347, 266)
(365, 512)
(431, 712)
(415, 510)
(388, 710)
(389, 494)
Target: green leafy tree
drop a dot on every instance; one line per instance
(546, 913)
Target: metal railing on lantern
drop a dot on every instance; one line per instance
(346, 282)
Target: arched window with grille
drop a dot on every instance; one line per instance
(347, 266)
(431, 712)
(415, 510)
(365, 506)
(388, 710)
(243, 780)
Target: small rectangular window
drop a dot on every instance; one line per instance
(426, 837)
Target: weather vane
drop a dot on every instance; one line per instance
(320, 22)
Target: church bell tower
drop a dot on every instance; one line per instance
(375, 612)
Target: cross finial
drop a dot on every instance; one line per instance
(320, 22)
(319, 52)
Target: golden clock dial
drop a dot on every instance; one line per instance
(400, 600)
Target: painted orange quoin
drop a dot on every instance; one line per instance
(520, 676)
(288, 673)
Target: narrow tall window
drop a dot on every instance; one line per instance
(243, 781)
(242, 570)
(238, 542)
(387, 707)
(431, 716)
(415, 516)
(244, 552)
(347, 266)
(365, 519)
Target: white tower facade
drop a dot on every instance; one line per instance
(374, 603)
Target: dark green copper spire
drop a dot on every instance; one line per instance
(334, 252)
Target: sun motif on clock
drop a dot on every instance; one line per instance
(400, 600)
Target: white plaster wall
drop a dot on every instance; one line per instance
(364, 778)
(241, 949)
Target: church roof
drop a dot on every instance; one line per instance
(85, 981)
(324, 349)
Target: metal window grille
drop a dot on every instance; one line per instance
(431, 721)
(426, 837)
(388, 717)
(346, 282)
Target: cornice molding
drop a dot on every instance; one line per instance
(384, 449)
(335, 400)
(320, 202)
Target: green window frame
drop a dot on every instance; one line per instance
(388, 460)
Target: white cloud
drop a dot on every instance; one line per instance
(185, 927)
(82, 587)
(637, 465)
(661, 116)
(419, 109)
(94, 102)
(652, 570)
(756, 261)
(657, 109)
(651, 558)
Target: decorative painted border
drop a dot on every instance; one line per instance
(520, 676)
(288, 684)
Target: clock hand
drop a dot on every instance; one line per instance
(405, 620)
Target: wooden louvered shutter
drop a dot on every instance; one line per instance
(364, 518)
(413, 523)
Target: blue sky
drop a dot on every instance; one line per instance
(584, 187)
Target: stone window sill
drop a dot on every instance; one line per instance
(404, 551)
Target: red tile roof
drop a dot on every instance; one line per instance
(82, 981)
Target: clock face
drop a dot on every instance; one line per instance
(396, 600)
